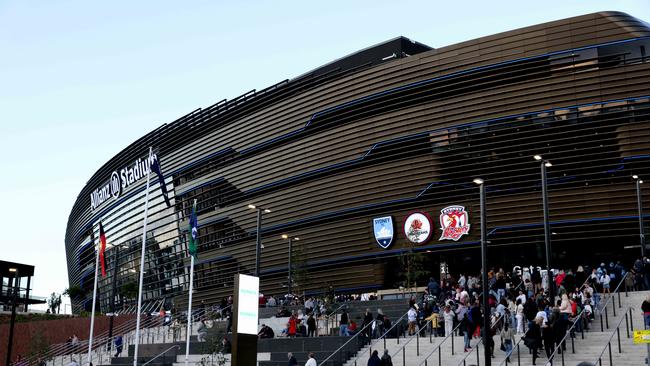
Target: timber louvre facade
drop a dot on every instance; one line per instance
(392, 129)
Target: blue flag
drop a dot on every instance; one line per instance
(155, 167)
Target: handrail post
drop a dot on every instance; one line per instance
(601, 322)
(518, 355)
(439, 356)
(573, 345)
(614, 303)
(478, 354)
(417, 343)
(618, 336)
(606, 318)
(452, 342)
(627, 326)
(631, 321)
(609, 346)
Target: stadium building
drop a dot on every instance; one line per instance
(369, 160)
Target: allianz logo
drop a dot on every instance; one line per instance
(119, 182)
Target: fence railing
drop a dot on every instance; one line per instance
(354, 337)
(608, 344)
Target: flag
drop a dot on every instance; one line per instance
(102, 249)
(194, 233)
(155, 167)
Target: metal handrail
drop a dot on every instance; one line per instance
(578, 318)
(350, 340)
(61, 349)
(613, 292)
(441, 342)
(611, 336)
(411, 337)
(397, 322)
(462, 361)
(162, 353)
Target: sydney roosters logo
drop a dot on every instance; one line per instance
(454, 222)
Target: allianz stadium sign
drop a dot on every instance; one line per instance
(119, 182)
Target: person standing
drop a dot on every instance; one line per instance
(412, 316)
(645, 307)
(343, 324)
(448, 317)
(386, 360)
(311, 361)
(311, 325)
(292, 360)
(374, 359)
(520, 317)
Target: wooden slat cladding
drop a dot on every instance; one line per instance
(328, 154)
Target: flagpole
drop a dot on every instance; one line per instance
(189, 305)
(142, 253)
(92, 315)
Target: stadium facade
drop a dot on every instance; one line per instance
(370, 159)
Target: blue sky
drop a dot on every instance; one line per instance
(81, 80)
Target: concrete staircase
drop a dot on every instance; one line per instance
(413, 351)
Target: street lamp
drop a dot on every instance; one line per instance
(258, 241)
(484, 279)
(13, 313)
(639, 203)
(291, 239)
(547, 226)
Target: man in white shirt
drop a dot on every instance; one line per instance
(311, 361)
(521, 297)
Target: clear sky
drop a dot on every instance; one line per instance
(81, 80)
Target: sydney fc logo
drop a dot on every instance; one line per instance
(383, 229)
(454, 222)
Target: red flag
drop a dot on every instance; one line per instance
(102, 249)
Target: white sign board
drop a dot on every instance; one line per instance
(247, 306)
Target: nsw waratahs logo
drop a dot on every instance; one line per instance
(417, 227)
(454, 222)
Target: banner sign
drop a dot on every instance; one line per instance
(454, 222)
(248, 289)
(417, 227)
(383, 229)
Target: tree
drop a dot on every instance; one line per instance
(299, 273)
(129, 290)
(413, 268)
(38, 345)
(74, 292)
(54, 302)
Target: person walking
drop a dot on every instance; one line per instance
(311, 325)
(448, 317)
(311, 361)
(118, 345)
(386, 360)
(507, 340)
(374, 359)
(520, 317)
(533, 337)
(202, 331)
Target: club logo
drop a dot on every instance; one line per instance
(116, 185)
(383, 229)
(417, 227)
(454, 222)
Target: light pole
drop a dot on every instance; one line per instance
(258, 241)
(547, 225)
(484, 279)
(639, 203)
(285, 237)
(13, 314)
